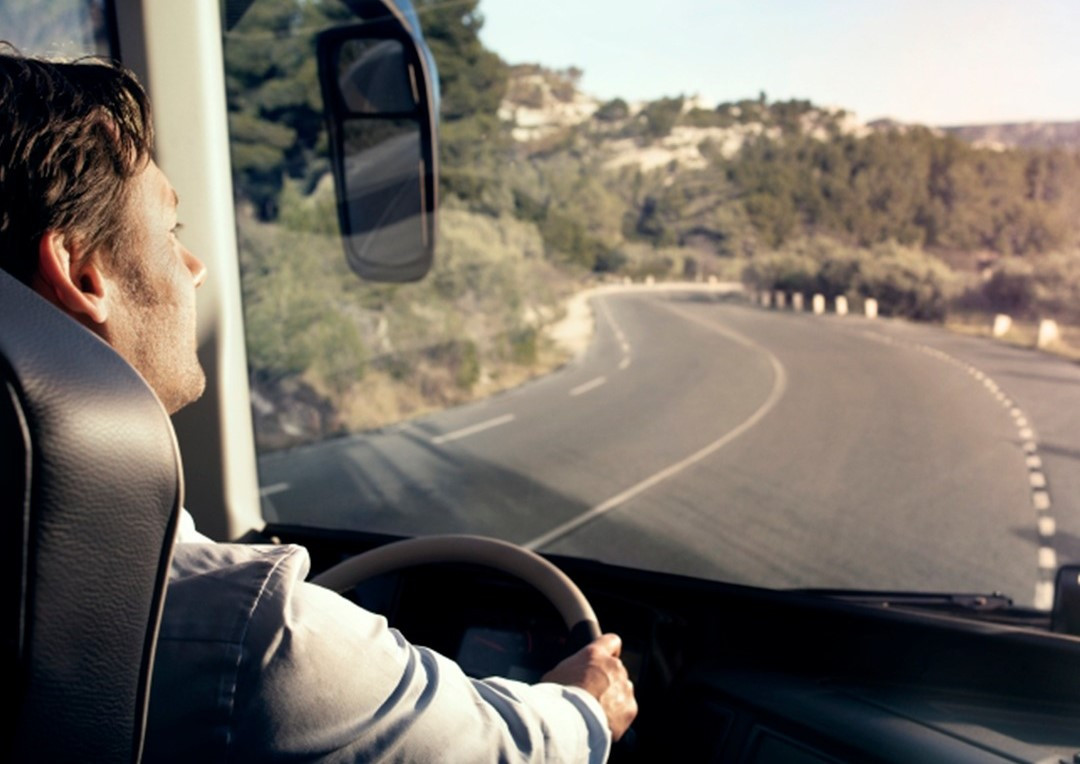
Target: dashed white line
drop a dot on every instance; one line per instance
(1040, 496)
(1044, 595)
(592, 384)
(465, 432)
(270, 490)
(624, 346)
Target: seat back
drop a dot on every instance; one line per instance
(90, 491)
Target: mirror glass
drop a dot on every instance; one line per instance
(374, 77)
(382, 150)
(384, 171)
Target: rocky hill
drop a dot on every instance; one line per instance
(1039, 135)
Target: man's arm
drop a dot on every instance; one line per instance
(256, 664)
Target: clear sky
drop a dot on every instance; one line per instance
(939, 62)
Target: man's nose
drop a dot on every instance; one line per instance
(196, 267)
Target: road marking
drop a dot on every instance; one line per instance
(624, 345)
(777, 392)
(592, 384)
(1044, 595)
(1040, 497)
(465, 432)
(270, 490)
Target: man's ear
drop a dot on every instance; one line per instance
(70, 280)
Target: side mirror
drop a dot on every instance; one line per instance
(380, 111)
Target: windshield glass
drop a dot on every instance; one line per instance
(774, 293)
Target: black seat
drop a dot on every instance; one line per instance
(90, 490)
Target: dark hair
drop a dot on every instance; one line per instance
(71, 136)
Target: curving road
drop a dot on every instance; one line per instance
(701, 436)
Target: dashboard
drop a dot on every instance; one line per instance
(735, 674)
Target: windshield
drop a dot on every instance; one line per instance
(774, 293)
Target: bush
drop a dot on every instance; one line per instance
(906, 282)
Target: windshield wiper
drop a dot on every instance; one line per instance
(995, 606)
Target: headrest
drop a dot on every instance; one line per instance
(90, 491)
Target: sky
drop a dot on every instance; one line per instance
(937, 62)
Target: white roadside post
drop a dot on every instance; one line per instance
(841, 306)
(797, 302)
(1002, 324)
(871, 307)
(819, 304)
(781, 299)
(766, 299)
(1048, 333)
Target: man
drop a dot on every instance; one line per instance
(252, 662)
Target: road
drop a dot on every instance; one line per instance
(702, 436)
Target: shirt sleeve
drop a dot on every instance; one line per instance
(324, 678)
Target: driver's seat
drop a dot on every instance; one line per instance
(90, 491)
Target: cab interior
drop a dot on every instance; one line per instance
(723, 672)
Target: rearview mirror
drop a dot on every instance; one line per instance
(380, 113)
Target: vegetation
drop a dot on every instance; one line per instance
(783, 195)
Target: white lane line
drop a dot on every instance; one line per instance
(1040, 497)
(270, 490)
(1044, 595)
(777, 392)
(592, 384)
(624, 345)
(465, 432)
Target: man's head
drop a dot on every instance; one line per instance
(89, 221)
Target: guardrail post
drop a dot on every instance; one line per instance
(797, 302)
(819, 304)
(766, 299)
(781, 299)
(1002, 324)
(1048, 333)
(871, 307)
(841, 306)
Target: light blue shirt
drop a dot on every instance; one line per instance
(255, 664)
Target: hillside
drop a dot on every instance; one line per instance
(1036, 135)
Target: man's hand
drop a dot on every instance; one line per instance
(596, 668)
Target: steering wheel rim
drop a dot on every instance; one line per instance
(524, 564)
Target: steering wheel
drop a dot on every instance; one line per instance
(509, 558)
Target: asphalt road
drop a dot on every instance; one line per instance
(701, 436)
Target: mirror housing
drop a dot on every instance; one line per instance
(380, 107)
